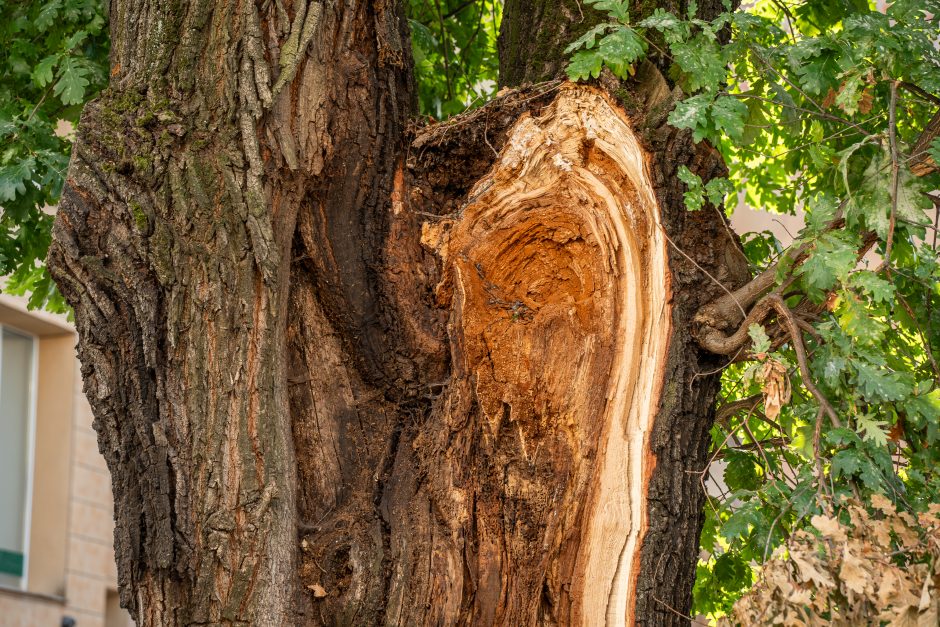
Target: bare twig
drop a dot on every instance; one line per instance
(923, 337)
(914, 89)
(726, 411)
(753, 446)
(760, 449)
(844, 131)
(800, 350)
(750, 403)
(718, 314)
(721, 313)
(717, 342)
(789, 17)
(444, 46)
(672, 609)
(807, 327)
(704, 471)
(818, 466)
(929, 293)
(771, 423)
(784, 78)
(770, 534)
(895, 170)
(718, 369)
(461, 7)
(819, 114)
(703, 270)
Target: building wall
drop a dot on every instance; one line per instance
(71, 569)
(90, 568)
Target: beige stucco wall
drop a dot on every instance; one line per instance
(90, 569)
(51, 468)
(71, 570)
(20, 610)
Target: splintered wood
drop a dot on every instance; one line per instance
(557, 268)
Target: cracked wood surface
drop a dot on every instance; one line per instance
(559, 273)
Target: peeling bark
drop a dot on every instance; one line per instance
(348, 372)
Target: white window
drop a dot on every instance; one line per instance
(17, 419)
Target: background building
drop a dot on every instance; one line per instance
(56, 510)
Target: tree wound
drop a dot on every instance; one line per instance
(558, 273)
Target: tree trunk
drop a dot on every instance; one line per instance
(348, 372)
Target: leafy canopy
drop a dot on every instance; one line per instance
(454, 48)
(820, 108)
(53, 57)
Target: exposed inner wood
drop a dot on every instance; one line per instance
(559, 277)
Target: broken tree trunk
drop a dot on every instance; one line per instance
(557, 276)
(562, 460)
(344, 372)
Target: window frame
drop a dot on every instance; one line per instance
(30, 447)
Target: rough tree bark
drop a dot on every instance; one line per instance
(347, 371)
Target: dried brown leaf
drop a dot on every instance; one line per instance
(775, 384)
(925, 596)
(810, 573)
(883, 504)
(854, 575)
(829, 527)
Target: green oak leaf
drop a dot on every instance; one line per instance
(584, 65)
(623, 46)
(718, 189)
(693, 113)
(858, 322)
(70, 88)
(620, 9)
(14, 177)
(701, 61)
(832, 259)
(873, 429)
(47, 15)
(663, 21)
(693, 197)
(42, 73)
(729, 114)
(879, 384)
(819, 75)
(879, 289)
(760, 341)
(588, 39)
(846, 463)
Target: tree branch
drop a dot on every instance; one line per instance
(922, 164)
(726, 411)
(895, 171)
